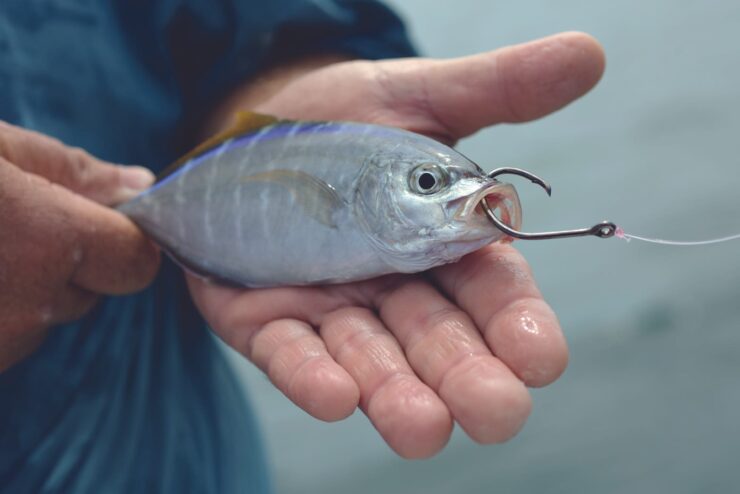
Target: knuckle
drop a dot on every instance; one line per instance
(263, 343)
(397, 287)
(444, 319)
(79, 166)
(291, 359)
(409, 416)
(369, 353)
(447, 323)
(318, 389)
(343, 328)
(495, 264)
(239, 329)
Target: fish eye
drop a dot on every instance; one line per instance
(427, 179)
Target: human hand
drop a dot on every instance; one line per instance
(61, 247)
(417, 352)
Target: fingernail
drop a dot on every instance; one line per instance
(137, 178)
(124, 194)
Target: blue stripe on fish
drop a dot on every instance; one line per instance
(277, 131)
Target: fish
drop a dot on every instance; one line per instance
(274, 202)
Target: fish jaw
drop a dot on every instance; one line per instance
(470, 229)
(500, 196)
(470, 222)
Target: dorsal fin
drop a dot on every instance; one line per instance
(244, 123)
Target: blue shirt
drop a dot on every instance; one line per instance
(136, 397)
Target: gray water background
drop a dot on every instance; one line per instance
(651, 400)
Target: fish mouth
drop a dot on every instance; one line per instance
(503, 201)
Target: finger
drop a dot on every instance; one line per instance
(446, 350)
(71, 167)
(495, 286)
(113, 255)
(77, 240)
(296, 360)
(457, 97)
(408, 414)
(239, 312)
(266, 326)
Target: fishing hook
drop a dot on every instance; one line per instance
(605, 229)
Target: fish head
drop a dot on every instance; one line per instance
(421, 205)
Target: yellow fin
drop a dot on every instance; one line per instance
(244, 122)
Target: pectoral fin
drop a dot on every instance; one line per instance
(314, 197)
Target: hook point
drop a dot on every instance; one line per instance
(522, 173)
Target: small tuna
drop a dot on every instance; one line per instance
(272, 203)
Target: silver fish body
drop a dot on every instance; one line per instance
(298, 203)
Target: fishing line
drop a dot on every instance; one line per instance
(605, 229)
(620, 233)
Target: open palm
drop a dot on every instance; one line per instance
(417, 352)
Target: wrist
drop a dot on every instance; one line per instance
(264, 86)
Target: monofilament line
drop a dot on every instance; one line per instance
(626, 236)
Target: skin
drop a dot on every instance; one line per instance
(62, 247)
(416, 353)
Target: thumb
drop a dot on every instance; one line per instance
(449, 99)
(71, 167)
(455, 98)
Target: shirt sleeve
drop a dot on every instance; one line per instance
(216, 45)
(201, 49)
(362, 28)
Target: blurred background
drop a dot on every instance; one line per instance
(651, 399)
